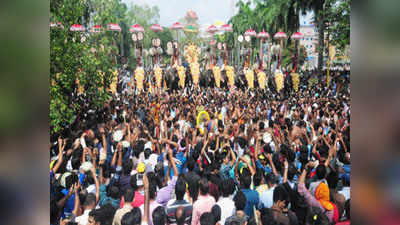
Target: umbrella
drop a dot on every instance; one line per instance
(191, 14)
(263, 34)
(156, 28)
(280, 35)
(136, 28)
(77, 27)
(250, 32)
(114, 27)
(96, 29)
(56, 25)
(212, 29)
(177, 26)
(226, 27)
(297, 36)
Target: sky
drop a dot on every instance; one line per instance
(208, 11)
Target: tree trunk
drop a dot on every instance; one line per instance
(320, 44)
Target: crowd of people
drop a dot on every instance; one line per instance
(206, 156)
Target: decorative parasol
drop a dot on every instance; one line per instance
(95, 29)
(56, 25)
(77, 27)
(262, 35)
(176, 26)
(297, 36)
(212, 29)
(280, 36)
(156, 28)
(113, 27)
(250, 32)
(191, 15)
(136, 28)
(226, 27)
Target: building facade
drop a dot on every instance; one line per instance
(310, 42)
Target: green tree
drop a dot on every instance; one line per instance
(72, 59)
(338, 18)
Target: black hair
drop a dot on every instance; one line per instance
(258, 177)
(228, 187)
(204, 186)
(190, 164)
(127, 167)
(245, 179)
(281, 194)
(104, 215)
(292, 171)
(90, 199)
(240, 200)
(180, 188)
(270, 178)
(332, 179)
(207, 219)
(152, 190)
(216, 211)
(129, 195)
(267, 217)
(134, 217)
(147, 153)
(321, 172)
(159, 216)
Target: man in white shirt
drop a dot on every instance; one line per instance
(88, 205)
(266, 199)
(225, 202)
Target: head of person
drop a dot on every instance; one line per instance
(159, 216)
(129, 195)
(207, 218)
(321, 172)
(127, 167)
(134, 217)
(240, 200)
(216, 211)
(204, 186)
(180, 188)
(90, 201)
(271, 180)
(102, 216)
(228, 187)
(280, 197)
(245, 179)
(258, 178)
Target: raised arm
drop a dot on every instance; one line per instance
(61, 146)
(285, 172)
(271, 162)
(77, 208)
(96, 181)
(174, 168)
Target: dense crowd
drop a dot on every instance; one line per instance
(206, 156)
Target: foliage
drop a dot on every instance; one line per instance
(72, 60)
(338, 16)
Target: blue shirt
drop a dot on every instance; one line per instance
(252, 199)
(266, 168)
(69, 205)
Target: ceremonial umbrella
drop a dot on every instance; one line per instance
(262, 35)
(296, 36)
(136, 28)
(156, 28)
(280, 36)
